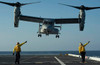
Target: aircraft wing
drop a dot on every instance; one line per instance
(31, 19)
(66, 21)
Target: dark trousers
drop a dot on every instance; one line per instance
(17, 57)
(83, 56)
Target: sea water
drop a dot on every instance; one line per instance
(88, 53)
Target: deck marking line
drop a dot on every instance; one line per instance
(26, 59)
(38, 62)
(62, 63)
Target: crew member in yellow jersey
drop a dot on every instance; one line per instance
(82, 51)
(17, 49)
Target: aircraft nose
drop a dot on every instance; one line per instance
(47, 29)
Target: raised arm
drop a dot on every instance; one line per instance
(22, 43)
(86, 43)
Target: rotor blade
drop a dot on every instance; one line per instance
(90, 8)
(77, 7)
(11, 4)
(29, 3)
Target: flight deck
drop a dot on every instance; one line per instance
(45, 60)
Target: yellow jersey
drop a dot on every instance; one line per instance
(17, 48)
(82, 48)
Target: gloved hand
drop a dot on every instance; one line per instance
(13, 53)
(88, 41)
(25, 41)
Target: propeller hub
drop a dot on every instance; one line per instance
(18, 4)
(82, 7)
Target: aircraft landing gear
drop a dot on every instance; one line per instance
(39, 35)
(47, 34)
(57, 36)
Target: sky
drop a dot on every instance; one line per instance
(70, 36)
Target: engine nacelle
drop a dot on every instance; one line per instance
(81, 25)
(16, 16)
(81, 20)
(16, 21)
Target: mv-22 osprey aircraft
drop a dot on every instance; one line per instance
(47, 27)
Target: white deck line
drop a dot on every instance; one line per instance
(74, 55)
(94, 58)
(90, 58)
(62, 63)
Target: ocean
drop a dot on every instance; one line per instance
(88, 53)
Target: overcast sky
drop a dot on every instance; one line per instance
(70, 36)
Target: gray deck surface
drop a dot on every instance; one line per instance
(44, 60)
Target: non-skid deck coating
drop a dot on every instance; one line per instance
(44, 60)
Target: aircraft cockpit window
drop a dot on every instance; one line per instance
(46, 22)
(50, 23)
